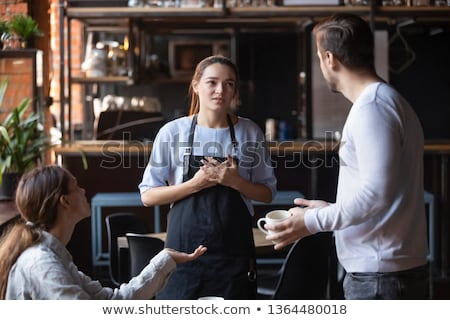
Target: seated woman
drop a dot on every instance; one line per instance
(34, 262)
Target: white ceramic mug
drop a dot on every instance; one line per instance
(272, 217)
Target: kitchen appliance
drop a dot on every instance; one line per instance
(184, 54)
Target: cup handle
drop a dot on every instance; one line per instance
(260, 227)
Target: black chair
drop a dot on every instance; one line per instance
(117, 225)
(142, 248)
(305, 272)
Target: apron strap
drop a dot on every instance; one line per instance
(191, 134)
(233, 137)
(189, 149)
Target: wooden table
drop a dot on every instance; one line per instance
(7, 207)
(8, 212)
(263, 247)
(261, 243)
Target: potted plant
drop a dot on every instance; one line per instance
(4, 29)
(21, 28)
(22, 142)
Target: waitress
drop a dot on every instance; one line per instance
(210, 165)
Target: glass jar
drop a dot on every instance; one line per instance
(421, 2)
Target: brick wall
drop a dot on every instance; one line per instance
(17, 77)
(20, 83)
(8, 8)
(12, 7)
(76, 55)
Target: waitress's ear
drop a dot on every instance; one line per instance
(64, 201)
(194, 84)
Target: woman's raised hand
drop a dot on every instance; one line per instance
(182, 257)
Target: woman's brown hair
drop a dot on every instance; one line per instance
(37, 196)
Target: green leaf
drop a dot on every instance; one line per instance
(22, 140)
(24, 26)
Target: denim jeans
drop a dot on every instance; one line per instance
(409, 284)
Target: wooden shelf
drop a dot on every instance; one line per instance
(252, 12)
(106, 79)
(428, 11)
(141, 12)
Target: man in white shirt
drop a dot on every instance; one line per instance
(379, 215)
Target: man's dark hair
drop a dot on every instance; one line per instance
(349, 38)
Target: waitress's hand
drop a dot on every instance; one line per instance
(225, 173)
(182, 257)
(202, 179)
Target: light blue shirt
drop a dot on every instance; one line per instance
(46, 271)
(166, 159)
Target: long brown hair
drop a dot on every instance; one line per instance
(37, 196)
(199, 70)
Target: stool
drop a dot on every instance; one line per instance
(112, 199)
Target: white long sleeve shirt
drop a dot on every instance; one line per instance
(46, 271)
(379, 214)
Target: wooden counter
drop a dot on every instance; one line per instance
(118, 146)
(100, 147)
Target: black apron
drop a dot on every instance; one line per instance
(218, 218)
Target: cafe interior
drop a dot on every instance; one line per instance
(104, 76)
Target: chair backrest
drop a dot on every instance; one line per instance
(305, 271)
(142, 249)
(117, 225)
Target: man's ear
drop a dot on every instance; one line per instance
(331, 60)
